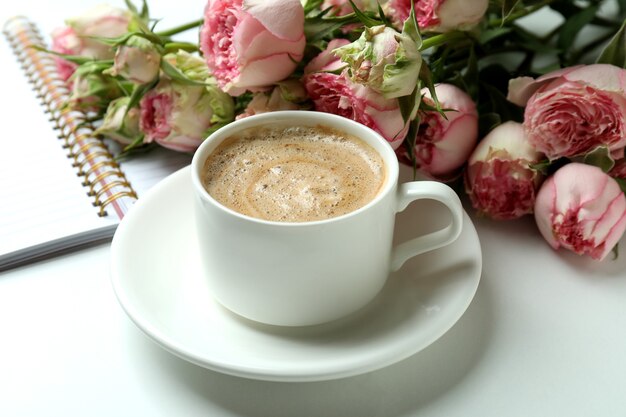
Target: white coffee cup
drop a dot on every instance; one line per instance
(296, 274)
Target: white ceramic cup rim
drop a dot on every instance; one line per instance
(380, 145)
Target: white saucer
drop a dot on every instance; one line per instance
(157, 279)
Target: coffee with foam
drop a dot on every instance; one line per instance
(293, 174)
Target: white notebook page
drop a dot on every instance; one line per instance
(43, 206)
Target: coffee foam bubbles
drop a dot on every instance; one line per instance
(293, 174)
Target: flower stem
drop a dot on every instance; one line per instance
(181, 28)
(441, 39)
(519, 14)
(185, 46)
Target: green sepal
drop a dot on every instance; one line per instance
(600, 157)
(138, 93)
(541, 166)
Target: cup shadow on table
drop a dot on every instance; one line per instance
(398, 389)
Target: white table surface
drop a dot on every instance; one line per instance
(544, 336)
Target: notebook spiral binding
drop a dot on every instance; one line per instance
(102, 176)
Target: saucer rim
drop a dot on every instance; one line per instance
(278, 374)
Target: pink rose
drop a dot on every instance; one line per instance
(92, 92)
(499, 179)
(337, 94)
(287, 95)
(581, 209)
(442, 146)
(65, 41)
(75, 39)
(439, 15)
(574, 110)
(180, 116)
(252, 44)
(138, 61)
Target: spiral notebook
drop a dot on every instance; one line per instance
(61, 187)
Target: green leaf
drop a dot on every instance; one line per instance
(487, 122)
(615, 52)
(131, 7)
(409, 104)
(409, 142)
(121, 40)
(600, 157)
(311, 5)
(490, 34)
(76, 59)
(320, 27)
(364, 18)
(471, 74)
(573, 26)
(427, 78)
(145, 11)
(177, 75)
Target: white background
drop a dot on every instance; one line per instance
(544, 336)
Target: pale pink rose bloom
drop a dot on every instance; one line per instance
(574, 110)
(175, 116)
(287, 95)
(499, 179)
(442, 146)
(99, 21)
(439, 15)
(581, 209)
(252, 44)
(65, 41)
(337, 94)
(137, 61)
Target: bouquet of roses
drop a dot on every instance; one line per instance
(461, 89)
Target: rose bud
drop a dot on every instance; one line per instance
(137, 60)
(286, 95)
(119, 124)
(438, 15)
(179, 116)
(581, 209)
(443, 144)
(499, 178)
(92, 91)
(65, 41)
(77, 38)
(574, 110)
(335, 93)
(252, 44)
(383, 59)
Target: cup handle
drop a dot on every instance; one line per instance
(417, 190)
